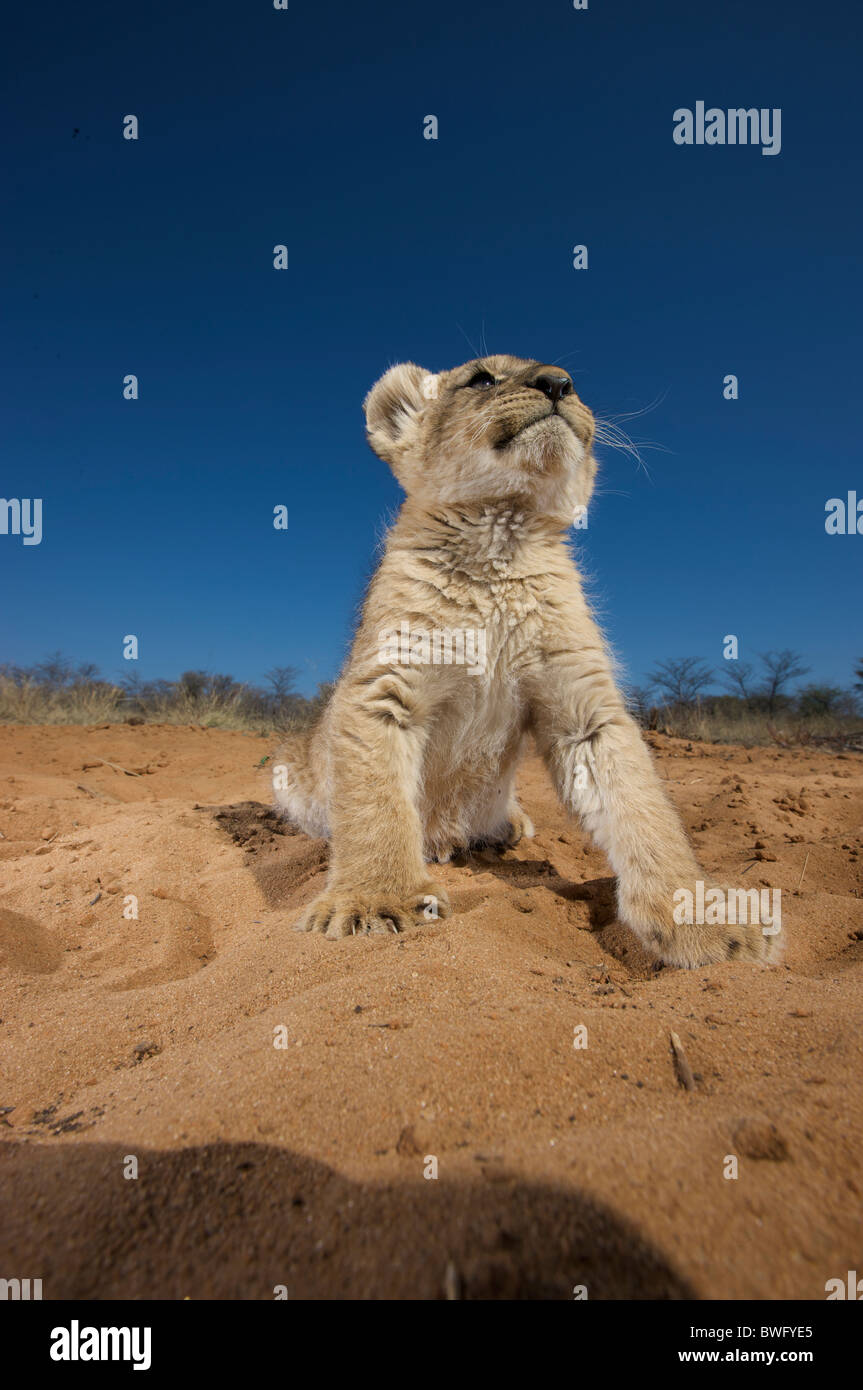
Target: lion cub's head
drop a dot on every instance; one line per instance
(494, 429)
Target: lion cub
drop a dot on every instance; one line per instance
(475, 634)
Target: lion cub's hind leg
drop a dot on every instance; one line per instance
(499, 823)
(502, 836)
(297, 786)
(507, 833)
(480, 814)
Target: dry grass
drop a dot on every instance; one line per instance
(33, 702)
(24, 700)
(754, 728)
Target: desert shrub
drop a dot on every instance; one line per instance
(54, 692)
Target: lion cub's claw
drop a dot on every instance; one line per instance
(339, 913)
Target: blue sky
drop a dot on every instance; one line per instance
(305, 127)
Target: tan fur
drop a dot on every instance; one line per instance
(411, 762)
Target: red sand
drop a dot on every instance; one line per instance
(304, 1166)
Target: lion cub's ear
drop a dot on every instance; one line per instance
(394, 408)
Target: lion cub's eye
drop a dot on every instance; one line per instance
(482, 380)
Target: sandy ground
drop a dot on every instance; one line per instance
(304, 1166)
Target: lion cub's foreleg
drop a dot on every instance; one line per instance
(604, 774)
(378, 881)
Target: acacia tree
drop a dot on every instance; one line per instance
(281, 680)
(681, 679)
(738, 677)
(780, 669)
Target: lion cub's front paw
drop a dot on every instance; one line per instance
(697, 944)
(669, 927)
(358, 912)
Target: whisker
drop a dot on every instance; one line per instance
(612, 436)
(468, 341)
(644, 410)
(611, 492)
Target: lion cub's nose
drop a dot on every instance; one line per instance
(552, 386)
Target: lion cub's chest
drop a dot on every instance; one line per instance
(501, 625)
(507, 615)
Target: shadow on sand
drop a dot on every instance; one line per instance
(232, 1221)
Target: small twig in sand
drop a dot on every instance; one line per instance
(117, 768)
(805, 862)
(99, 796)
(748, 867)
(681, 1063)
